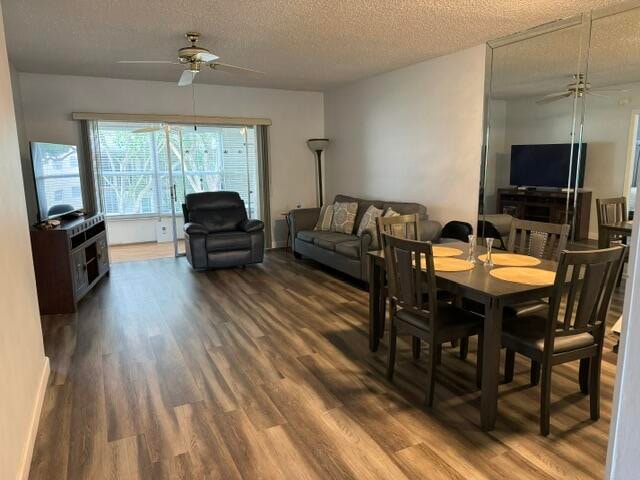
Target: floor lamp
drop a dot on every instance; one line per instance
(318, 145)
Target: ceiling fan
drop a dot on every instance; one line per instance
(193, 58)
(579, 87)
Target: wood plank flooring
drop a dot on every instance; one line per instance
(133, 252)
(264, 372)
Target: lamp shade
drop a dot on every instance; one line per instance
(316, 144)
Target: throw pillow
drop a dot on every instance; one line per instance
(344, 217)
(325, 218)
(368, 224)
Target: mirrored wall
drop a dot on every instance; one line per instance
(562, 122)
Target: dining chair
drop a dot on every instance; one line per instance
(612, 210)
(405, 226)
(416, 310)
(538, 239)
(544, 241)
(586, 280)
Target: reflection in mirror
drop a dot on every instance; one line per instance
(612, 107)
(531, 158)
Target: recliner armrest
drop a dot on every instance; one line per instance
(193, 228)
(252, 225)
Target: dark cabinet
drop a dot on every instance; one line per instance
(547, 206)
(69, 261)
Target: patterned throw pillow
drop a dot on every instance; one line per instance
(344, 217)
(368, 224)
(325, 218)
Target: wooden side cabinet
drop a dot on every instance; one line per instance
(69, 261)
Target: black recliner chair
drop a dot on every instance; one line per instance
(218, 233)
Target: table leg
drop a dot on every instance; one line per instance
(374, 304)
(490, 364)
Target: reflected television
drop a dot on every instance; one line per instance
(547, 165)
(56, 175)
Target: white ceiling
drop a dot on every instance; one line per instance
(299, 44)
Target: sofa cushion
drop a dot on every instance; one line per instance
(344, 217)
(350, 248)
(329, 242)
(228, 241)
(309, 235)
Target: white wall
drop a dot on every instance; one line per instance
(49, 100)
(414, 134)
(606, 132)
(623, 462)
(23, 366)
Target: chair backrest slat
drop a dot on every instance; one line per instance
(538, 239)
(410, 286)
(611, 210)
(403, 226)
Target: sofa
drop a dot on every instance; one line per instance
(217, 232)
(348, 252)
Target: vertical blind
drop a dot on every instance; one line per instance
(136, 165)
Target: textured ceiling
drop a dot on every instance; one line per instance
(299, 44)
(544, 64)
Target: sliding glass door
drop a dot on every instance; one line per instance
(144, 171)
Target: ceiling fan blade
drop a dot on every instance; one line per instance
(609, 90)
(166, 62)
(553, 97)
(205, 57)
(147, 129)
(186, 78)
(225, 67)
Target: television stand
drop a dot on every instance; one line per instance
(548, 206)
(69, 260)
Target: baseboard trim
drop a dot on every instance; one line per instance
(35, 420)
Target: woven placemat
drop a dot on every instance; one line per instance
(535, 277)
(511, 260)
(448, 264)
(446, 251)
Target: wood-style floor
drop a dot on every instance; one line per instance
(264, 372)
(133, 252)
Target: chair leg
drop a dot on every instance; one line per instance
(509, 363)
(464, 348)
(583, 375)
(392, 351)
(383, 312)
(594, 386)
(415, 347)
(438, 350)
(535, 372)
(431, 373)
(479, 360)
(545, 400)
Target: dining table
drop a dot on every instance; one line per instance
(476, 284)
(608, 230)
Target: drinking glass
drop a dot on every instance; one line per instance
(471, 258)
(489, 261)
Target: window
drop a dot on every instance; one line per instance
(57, 175)
(134, 176)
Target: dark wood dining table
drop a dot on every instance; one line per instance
(607, 230)
(478, 285)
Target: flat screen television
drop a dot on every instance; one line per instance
(546, 165)
(56, 175)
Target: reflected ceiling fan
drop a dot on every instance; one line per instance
(579, 87)
(193, 58)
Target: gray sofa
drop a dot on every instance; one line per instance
(344, 252)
